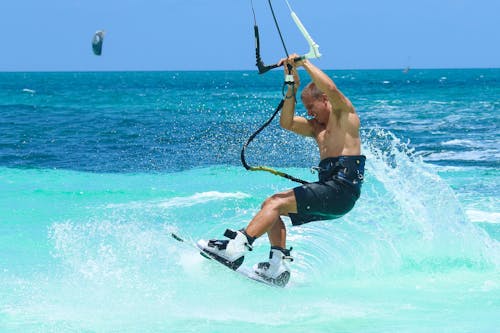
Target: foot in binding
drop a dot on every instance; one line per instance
(275, 270)
(229, 252)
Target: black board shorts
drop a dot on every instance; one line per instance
(332, 196)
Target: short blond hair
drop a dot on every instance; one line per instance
(313, 90)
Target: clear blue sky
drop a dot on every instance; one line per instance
(55, 35)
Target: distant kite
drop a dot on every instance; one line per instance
(97, 42)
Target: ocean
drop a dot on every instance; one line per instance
(98, 169)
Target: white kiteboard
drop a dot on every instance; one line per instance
(248, 272)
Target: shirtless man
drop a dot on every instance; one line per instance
(335, 126)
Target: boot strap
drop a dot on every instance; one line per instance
(286, 253)
(263, 265)
(219, 244)
(222, 244)
(231, 234)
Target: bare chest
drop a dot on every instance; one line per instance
(330, 142)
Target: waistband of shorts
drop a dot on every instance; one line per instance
(329, 160)
(347, 168)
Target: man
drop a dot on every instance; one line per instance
(335, 126)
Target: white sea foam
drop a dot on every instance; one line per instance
(476, 155)
(195, 199)
(201, 198)
(483, 217)
(438, 102)
(458, 142)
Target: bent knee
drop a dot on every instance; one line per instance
(281, 202)
(271, 202)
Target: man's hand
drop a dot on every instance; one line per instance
(289, 63)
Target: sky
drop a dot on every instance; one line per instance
(160, 35)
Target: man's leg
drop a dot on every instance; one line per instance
(268, 218)
(277, 234)
(231, 253)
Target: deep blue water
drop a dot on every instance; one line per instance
(164, 121)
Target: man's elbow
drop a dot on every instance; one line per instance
(286, 125)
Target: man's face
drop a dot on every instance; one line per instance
(316, 107)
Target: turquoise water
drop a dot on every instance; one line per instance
(97, 169)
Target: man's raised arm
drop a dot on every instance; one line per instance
(327, 86)
(288, 119)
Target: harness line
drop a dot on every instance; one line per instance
(262, 68)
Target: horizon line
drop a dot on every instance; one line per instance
(237, 70)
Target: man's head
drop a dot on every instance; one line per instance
(316, 103)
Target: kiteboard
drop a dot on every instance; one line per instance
(247, 272)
